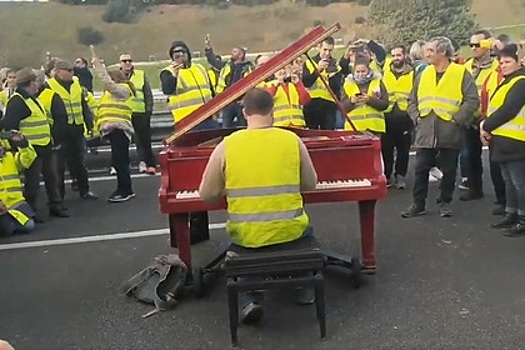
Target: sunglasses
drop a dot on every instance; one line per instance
(475, 45)
(126, 61)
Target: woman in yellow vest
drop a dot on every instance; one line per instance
(114, 122)
(364, 98)
(289, 96)
(504, 132)
(16, 215)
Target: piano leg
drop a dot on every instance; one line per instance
(199, 227)
(180, 236)
(367, 218)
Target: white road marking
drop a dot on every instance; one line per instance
(96, 238)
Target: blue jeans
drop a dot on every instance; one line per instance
(10, 226)
(512, 173)
(246, 298)
(339, 120)
(230, 114)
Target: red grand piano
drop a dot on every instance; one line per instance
(348, 163)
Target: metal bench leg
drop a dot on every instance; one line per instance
(233, 306)
(320, 304)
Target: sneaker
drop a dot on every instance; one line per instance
(117, 197)
(463, 184)
(436, 173)
(142, 167)
(444, 210)
(412, 211)
(112, 171)
(151, 170)
(251, 313)
(88, 195)
(305, 296)
(517, 230)
(401, 182)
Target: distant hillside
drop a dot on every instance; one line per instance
(31, 29)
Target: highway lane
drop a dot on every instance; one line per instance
(441, 283)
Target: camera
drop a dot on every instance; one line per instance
(288, 79)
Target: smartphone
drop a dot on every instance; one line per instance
(288, 79)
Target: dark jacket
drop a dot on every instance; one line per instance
(168, 81)
(85, 77)
(504, 149)
(335, 81)
(434, 132)
(16, 111)
(379, 103)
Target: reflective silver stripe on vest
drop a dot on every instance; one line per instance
(511, 127)
(288, 117)
(440, 99)
(14, 189)
(36, 137)
(115, 106)
(185, 89)
(263, 217)
(28, 124)
(263, 191)
(9, 177)
(367, 116)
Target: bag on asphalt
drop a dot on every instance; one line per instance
(160, 283)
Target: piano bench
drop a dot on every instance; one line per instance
(295, 264)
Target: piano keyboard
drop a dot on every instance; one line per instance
(323, 185)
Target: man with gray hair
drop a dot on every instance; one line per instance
(443, 99)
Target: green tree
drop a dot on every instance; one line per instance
(404, 21)
(118, 11)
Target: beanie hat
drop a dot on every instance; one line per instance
(25, 75)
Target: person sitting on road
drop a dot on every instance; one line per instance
(16, 215)
(261, 171)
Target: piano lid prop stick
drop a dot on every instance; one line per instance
(336, 99)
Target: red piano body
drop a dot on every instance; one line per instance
(348, 163)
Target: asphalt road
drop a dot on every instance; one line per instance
(441, 283)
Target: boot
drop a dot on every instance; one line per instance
(509, 220)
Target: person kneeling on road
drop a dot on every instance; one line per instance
(16, 215)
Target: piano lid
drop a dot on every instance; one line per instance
(239, 88)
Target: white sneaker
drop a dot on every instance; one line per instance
(112, 171)
(436, 173)
(142, 167)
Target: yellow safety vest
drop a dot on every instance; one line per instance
(11, 190)
(225, 71)
(514, 128)
(35, 128)
(46, 100)
(3, 98)
(111, 110)
(287, 111)
(398, 89)
(192, 91)
(483, 73)
(262, 174)
(138, 104)
(72, 100)
(212, 75)
(364, 117)
(318, 89)
(443, 98)
(92, 103)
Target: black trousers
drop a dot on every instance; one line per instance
(142, 125)
(397, 137)
(447, 160)
(74, 150)
(120, 160)
(320, 114)
(498, 183)
(474, 163)
(43, 164)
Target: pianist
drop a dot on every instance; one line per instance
(261, 171)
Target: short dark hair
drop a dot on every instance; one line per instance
(510, 50)
(402, 47)
(486, 34)
(329, 40)
(505, 39)
(362, 60)
(258, 101)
